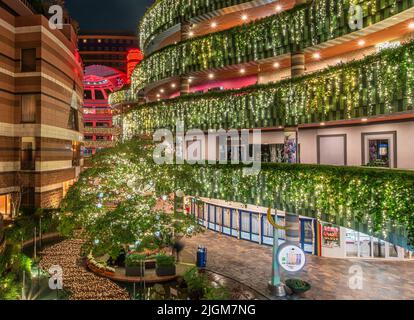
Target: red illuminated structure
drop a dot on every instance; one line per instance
(99, 82)
(134, 57)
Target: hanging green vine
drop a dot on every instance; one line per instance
(379, 84)
(301, 27)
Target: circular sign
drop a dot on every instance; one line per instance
(291, 258)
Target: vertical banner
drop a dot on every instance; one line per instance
(291, 145)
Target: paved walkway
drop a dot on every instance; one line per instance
(250, 263)
(82, 284)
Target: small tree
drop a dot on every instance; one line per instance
(113, 203)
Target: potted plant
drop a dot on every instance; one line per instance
(165, 265)
(135, 265)
(298, 286)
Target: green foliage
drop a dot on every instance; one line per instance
(115, 205)
(298, 285)
(379, 84)
(199, 286)
(296, 29)
(135, 259)
(164, 260)
(378, 202)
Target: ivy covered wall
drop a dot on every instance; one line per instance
(301, 27)
(164, 14)
(380, 84)
(374, 201)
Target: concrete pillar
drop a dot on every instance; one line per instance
(298, 57)
(292, 228)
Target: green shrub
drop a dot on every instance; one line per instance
(135, 259)
(164, 260)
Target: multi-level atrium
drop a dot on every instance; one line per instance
(317, 100)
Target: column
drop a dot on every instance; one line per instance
(185, 81)
(297, 56)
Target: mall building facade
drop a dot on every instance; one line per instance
(320, 79)
(41, 94)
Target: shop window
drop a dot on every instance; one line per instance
(28, 63)
(88, 124)
(28, 108)
(380, 149)
(5, 205)
(88, 138)
(99, 95)
(102, 125)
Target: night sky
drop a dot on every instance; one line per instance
(107, 15)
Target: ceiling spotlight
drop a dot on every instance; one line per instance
(173, 85)
(317, 55)
(190, 80)
(411, 25)
(364, 119)
(244, 17)
(158, 95)
(276, 65)
(323, 123)
(84, 40)
(214, 24)
(242, 70)
(191, 33)
(211, 76)
(99, 40)
(278, 8)
(162, 90)
(361, 43)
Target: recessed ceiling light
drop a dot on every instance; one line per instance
(190, 80)
(323, 123)
(158, 95)
(411, 25)
(173, 85)
(364, 119)
(242, 70)
(317, 55)
(162, 90)
(278, 8)
(244, 17)
(276, 65)
(214, 24)
(211, 75)
(191, 33)
(361, 42)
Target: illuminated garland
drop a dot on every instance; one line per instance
(379, 84)
(164, 14)
(374, 201)
(298, 28)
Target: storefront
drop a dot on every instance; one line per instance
(251, 224)
(316, 237)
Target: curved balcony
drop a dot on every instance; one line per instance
(165, 14)
(319, 24)
(380, 84)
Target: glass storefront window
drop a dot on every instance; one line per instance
(379, 153)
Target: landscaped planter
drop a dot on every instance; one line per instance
(134, 271)
(165, 271)
(298, 286)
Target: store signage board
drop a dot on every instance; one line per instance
(291, 258)
(331, 235)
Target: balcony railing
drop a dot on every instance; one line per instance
(99, 144)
